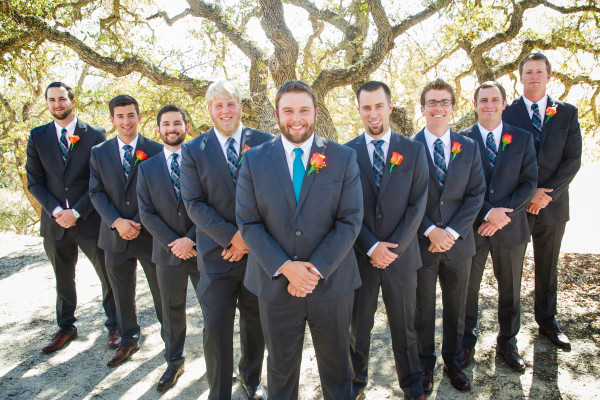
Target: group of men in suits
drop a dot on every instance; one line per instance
(298, 229)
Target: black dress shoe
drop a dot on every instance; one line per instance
(557, 337)
(169, 378)
(512, 358)
(458, 379)
(466, 357)
(427, 381)
(255, 393)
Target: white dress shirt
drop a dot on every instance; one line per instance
(497, 131)
(169, 156)
(70, 131)
(132, 144)
(542, 104)
(290, 155)
(237, 140)
(430, 139)
(371, 149)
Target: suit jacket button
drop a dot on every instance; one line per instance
(126, 203)
(379, 216)
(492, 191)
(441, 203)
(179, 214)
(298, 233)
(295, 258)
(66, 189)
(438, 224)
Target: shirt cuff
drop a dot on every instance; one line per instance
(279, 270)
(75, 213)
(113, 224)
(428, 231)
(452, 232)
(371, 250)
(57, 210)
(486, 215)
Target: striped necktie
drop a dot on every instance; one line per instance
(440, 161)
(64, 144)
(175, 174)
(378, 160)
(537, 121)
(298, 171)
(492, 151)
(232, 159)
(127, 160)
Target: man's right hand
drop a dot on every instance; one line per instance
(236, 250)
(381, 256)
(127, 228)
(497, 217)
(301, 275)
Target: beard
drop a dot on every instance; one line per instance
(375, 131)
(173, 141)
(60, 115)
(297, 139)
(228, 129)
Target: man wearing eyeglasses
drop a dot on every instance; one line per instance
(455, 195)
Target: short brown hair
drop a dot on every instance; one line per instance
(438, 84)
(171, 108)
(489, 84)
(535, 57)
(295, 87)
(122, 100)
(373, 86)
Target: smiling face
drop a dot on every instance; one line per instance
(437, 117)
(58, 103)
(375, 109)
(126, 120)
(489, 107)
(226, 114)
(172, 128)
(296, 114)
(534, 78)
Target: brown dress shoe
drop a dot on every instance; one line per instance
(59, 340)
(427, 381)
(512, 358)
(169, 379)
(557, 337)
(458, 379)
(122, 354)
(114, 340)
(466, 357)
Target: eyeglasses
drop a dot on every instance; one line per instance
(443, 103)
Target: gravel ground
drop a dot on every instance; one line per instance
(80, 372)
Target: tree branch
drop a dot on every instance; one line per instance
(170, 21)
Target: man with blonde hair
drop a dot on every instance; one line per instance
(209, 172)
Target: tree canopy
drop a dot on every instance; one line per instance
(170, 51)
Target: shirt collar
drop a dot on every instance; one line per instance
(497, 131)
(237, 136)
(70, 128)
(168, 153)
(289, 147)
(430, 138)
(541, 104)
(386, 138)
(132, 144)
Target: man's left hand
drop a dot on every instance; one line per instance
(182, 248)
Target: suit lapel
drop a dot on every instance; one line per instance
(141, 145)
(546, 125)
(360, 146)
(214, 152)
(282, 170)
(421, 138)
(454, 137)
(50, 141)
(165, 176)
(115, 156)
(394, 147)
(318, 146)
(524, 113)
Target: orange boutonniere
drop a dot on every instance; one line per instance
(550, 111)
(140, 156)
(246, 147)
(317, 161)
(73, 139)
(396, 159)
(456, 148)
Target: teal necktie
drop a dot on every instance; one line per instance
(298, 172)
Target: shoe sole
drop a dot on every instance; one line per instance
(125, 359)
(65, 344)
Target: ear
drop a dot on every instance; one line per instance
(316, 111)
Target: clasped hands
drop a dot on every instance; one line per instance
(127, 228)
(182, 248)
(65, 218)
(540, 200)
(302, 276)
(496, 219)
(236, 250)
